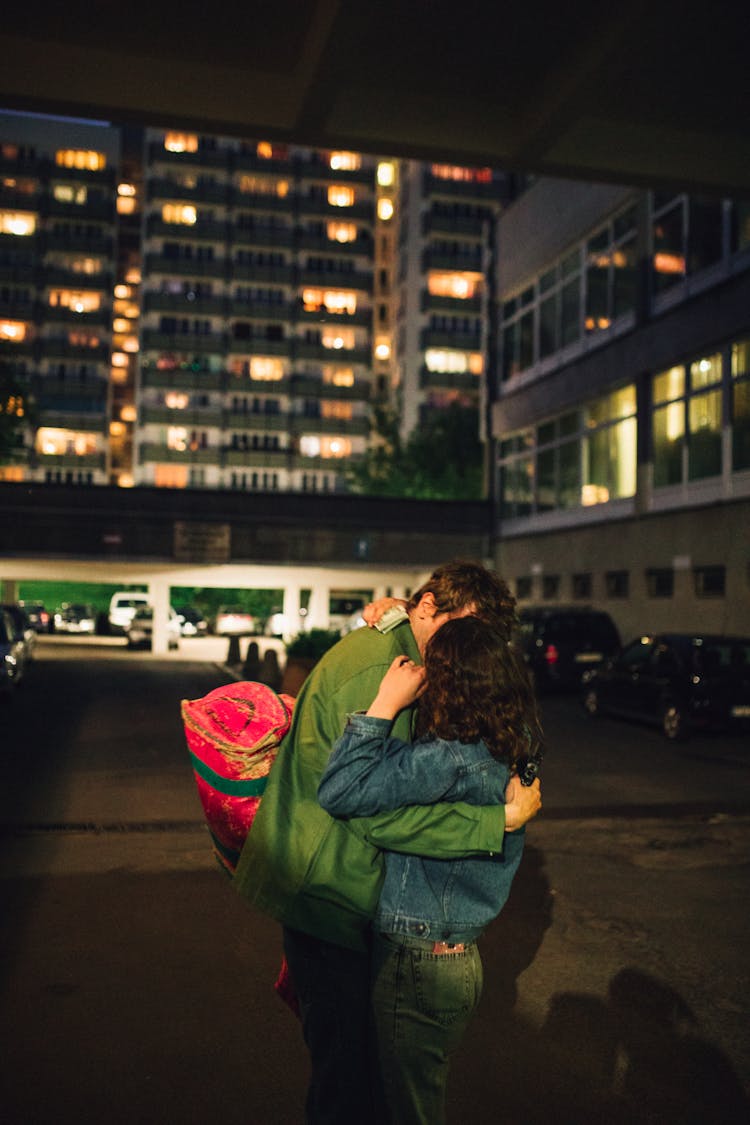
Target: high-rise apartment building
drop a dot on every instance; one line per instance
(621, 420)
(446, 262)
(190, 310)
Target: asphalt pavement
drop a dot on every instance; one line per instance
(138, 987)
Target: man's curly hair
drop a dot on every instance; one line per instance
(478, 688)
(460, 583)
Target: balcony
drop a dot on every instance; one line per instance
(97, 245)
(308, 349)
(55, 275)
(319, 169)
(60, 348)
(433, 223)
(361, 318)
(463, 341)
(247, 420)
(274, 275)
(258, 345)
(70, 461)
(449, 380)
(165, 189)
(435, 259)
(157, 451)
(311, 386)
(455, 305)
(203, 158)
(256, 310)
(261, 201)
(212, 343)
(251, 162)
(56, 314)
(336, 279)
(317, 424)
(183, 379)
(93, 210)
(492, 192)
(183, 305)
(254, 458)
(51, 390)
(207, 230)
(322, 244)
(185, 267)
(63, 420)
(312, 206)
(281, 237)
(24, 273)
(192, 417)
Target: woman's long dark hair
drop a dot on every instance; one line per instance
(478, 687)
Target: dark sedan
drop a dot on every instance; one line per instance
(678, 681)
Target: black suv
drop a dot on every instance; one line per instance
(561, 643)
(678, 681)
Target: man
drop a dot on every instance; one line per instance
(321, 877)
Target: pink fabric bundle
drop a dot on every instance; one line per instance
(233, 736)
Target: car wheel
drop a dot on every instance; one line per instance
(591, 702)
(674, 723)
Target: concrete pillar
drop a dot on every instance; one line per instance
(159, 599)
(317, 611)
(290, 610)
(9, 590)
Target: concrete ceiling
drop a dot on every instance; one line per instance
(655, 94)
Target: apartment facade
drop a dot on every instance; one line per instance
(446, 265)
(621, 411)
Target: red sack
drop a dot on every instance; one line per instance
(233, 736)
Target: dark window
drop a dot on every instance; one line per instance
(660, 582)
(523, 586)
(550, 585)
(617, 583)
(582, 585)
(709, 581)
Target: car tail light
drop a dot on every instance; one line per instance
(551, 655)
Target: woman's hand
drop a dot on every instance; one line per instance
(401, 686)
(373, 611)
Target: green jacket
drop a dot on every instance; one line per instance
(320, 875)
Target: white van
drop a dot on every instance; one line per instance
(122, 607)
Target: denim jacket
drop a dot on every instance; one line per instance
(368, 772)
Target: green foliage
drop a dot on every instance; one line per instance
(312, 645)
(441, 460)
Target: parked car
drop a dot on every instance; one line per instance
(38, 615)
(560, 643)
(122, 607)
(678, 681)
(233, 621)
(192, 621)
(11, 656)
(74, 617)
(141, 628)
(23, 631)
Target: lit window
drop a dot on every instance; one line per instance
(341, 410)
(385, 209)
(338, 376)
(447, 360)
(338, 301)
(179, 213)
(123, 292)
(120, 324)
(70, 193)
(176, 400)
(53, 442)
(125, 480)
(335, 337)
(266, 368)
(177, 438)
(462, 175)
(129, 413)
(130, 344)
(669, 263)
(13, 331)
(127, 190)
(17, 222)
(312, 445)
(339, 195)
(78, 301)
(125, 205)
(87, 265)
(117, 429)
(133, 276)
(386, 173)
(83, 159)
(345, 161)
(341, 232)
(268, 151)
(263, 185)
(382, 348)
(181, 142)
(119, 359)
(170, 476)
(460, 285)
(81, 338)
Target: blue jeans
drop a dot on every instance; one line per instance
(422, 1004)
(333, 988)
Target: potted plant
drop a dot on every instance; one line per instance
(302, 654)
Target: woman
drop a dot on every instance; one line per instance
(476, 721)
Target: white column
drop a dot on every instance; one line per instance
(159, 598)
(290, 610)
(317, 611)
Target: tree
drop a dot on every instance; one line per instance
(441, 460)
